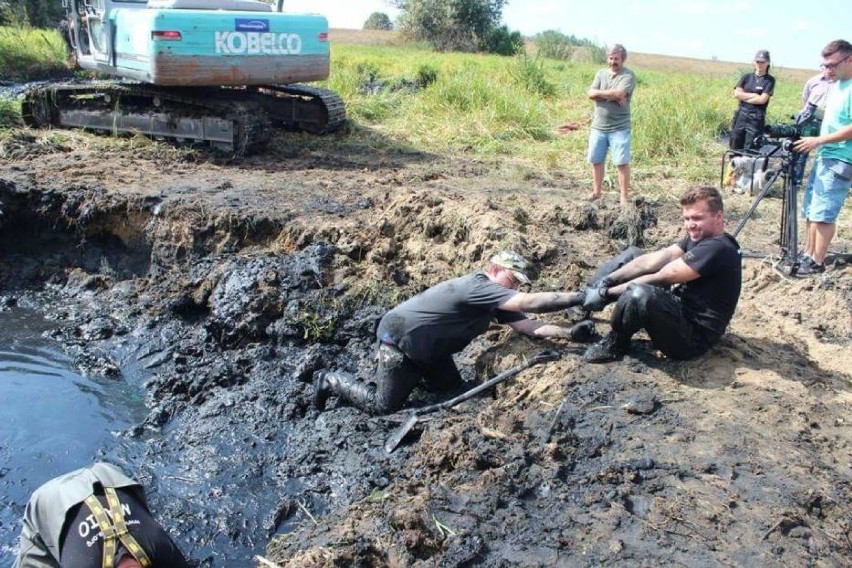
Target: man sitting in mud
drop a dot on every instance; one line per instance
(683, 295)
(91, 518)
(416, 340)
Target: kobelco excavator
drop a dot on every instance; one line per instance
(223, 72)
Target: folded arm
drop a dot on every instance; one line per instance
(750, 98)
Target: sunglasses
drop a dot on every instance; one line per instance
(833, 65)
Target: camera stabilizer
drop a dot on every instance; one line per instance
(777, 149)
(782, 155)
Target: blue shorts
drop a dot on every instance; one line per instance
(825, 194)
(618, 142)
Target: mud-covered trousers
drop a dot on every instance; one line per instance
(656, 310)
(397, 376)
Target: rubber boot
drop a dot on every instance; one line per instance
(610, 348)
(358, 393)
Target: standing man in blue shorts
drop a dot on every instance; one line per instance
(612, 91)
(814, 95)
(831, 175)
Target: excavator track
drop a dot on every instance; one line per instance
(236, 120)
(300, 107)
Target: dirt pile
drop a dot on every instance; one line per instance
(219, 288)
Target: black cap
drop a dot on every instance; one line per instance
(761, 55)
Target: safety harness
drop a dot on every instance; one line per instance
(115, 529)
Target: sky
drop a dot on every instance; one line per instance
(794, 32)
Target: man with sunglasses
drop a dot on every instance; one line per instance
(831, 175)
(417, 339)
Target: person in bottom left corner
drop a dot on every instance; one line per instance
(94, 517)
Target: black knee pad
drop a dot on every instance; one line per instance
(632, 310)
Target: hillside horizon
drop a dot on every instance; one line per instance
(649, 61)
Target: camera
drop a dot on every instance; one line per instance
(806, 123)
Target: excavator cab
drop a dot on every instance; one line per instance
(88, 28)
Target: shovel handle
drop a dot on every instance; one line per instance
(397, 436)
(541, 357)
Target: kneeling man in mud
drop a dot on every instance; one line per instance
(417, 339)
(683, 296)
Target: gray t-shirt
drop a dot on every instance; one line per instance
(609, 115)
(445, 318)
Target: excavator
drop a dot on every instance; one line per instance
(220, 72)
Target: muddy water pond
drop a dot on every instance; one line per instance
(53, 419)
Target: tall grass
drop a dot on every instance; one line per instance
(29, 53)
(495, 106)
(10, 112)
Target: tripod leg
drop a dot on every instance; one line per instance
(789, 226)
(770, 181)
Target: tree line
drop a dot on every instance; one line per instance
(445, 25)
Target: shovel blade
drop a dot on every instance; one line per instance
(397, 436)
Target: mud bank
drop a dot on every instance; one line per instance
(218, 289)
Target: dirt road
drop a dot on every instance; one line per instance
(225, 285)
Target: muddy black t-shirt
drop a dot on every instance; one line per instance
(445, 318)
(710, 301)
(81, 541)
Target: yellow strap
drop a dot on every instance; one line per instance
(106, 529)
(115, 529)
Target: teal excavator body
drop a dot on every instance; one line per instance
(216, 71)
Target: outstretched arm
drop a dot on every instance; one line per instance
(660, 267)
(648, 263)
(541, 302)
(810, 143)
(674, 272)
(534, 328)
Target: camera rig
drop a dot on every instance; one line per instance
(775, 157)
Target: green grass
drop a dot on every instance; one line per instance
(27, 54)
(10, 112)
(502, 106)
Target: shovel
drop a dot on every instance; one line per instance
(397, 436)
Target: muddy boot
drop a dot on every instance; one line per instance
(322, 390)
(358, 393)
(584, 332)
(608, 349)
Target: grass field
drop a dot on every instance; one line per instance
(505, 106)
(28, 53)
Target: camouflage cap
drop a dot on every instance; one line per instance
(514, 262)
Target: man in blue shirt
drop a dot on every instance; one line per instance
(831, 175)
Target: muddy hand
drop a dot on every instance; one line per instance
(596, 299)
(584, 332)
